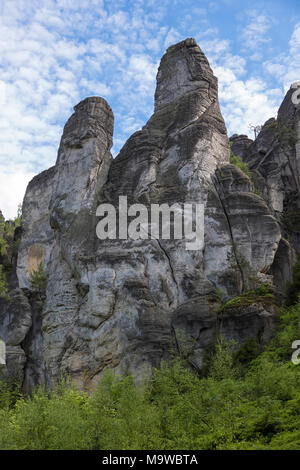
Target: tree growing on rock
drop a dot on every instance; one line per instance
(38, 279)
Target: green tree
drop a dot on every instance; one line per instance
(38, 279)
(3, 285)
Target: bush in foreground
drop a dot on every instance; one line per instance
(238, 405)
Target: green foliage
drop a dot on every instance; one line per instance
(249, 400)
(293, 288)
(247, 352)
(8, 246)
(257, 192)
(291, 220)
(3, 285)
(222, 363)
(289, 331)
(287, 137)
(261, 295)
(38, 279)
(9, 393)
(18, 219)
(237, 161)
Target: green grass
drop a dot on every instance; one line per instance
(259, 295)
(237, 161)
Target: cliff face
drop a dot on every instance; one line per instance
(119, 303)
(274, 159)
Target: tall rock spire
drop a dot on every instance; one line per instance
(184, 69)
(118, 303)
(83, 160)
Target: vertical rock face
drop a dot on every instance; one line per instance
(274, 159)
(81, 170)
(118, 303)
(15, 322)
(82, 163)
(37, 235)
(240, 144)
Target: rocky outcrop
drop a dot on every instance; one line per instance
(37, 235)
(240, 144)
(20, 326)
(15, 321)
(274, 159)
(121, 302)
(196, 327)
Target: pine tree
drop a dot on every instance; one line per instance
(38, 279)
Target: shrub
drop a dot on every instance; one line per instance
(3, 285)
(174, 409)
(237, 161)
(261, 295)
(38, 279)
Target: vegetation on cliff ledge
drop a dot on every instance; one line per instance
(259, 295)
(8, 250)
(238, 161)
(249, 399)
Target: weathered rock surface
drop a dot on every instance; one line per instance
(37, 235)
(274, 159)
(119, 303)
(15, 322)
(197, 327)
(240, 144)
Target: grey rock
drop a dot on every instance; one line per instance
(15, 318)
(15, 364)
(37, 235)
(274, 158)
(15, 322)
(118, 303)
(240, 144)
(253, 322)
(2, 352)
(281, 268)
(196, 326)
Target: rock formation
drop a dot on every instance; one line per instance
(240, 144)
(120, 303)
(274, 160)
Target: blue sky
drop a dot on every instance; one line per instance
(54, 53)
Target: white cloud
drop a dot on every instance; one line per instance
(255, 32)
(245, 102)
(244, 99)
(12, 189)
(286, 68)
(56, 52)
(172, 37)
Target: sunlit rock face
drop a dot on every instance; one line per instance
(37, 235)
(274, 159)
(239, 144)
(121, 303)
